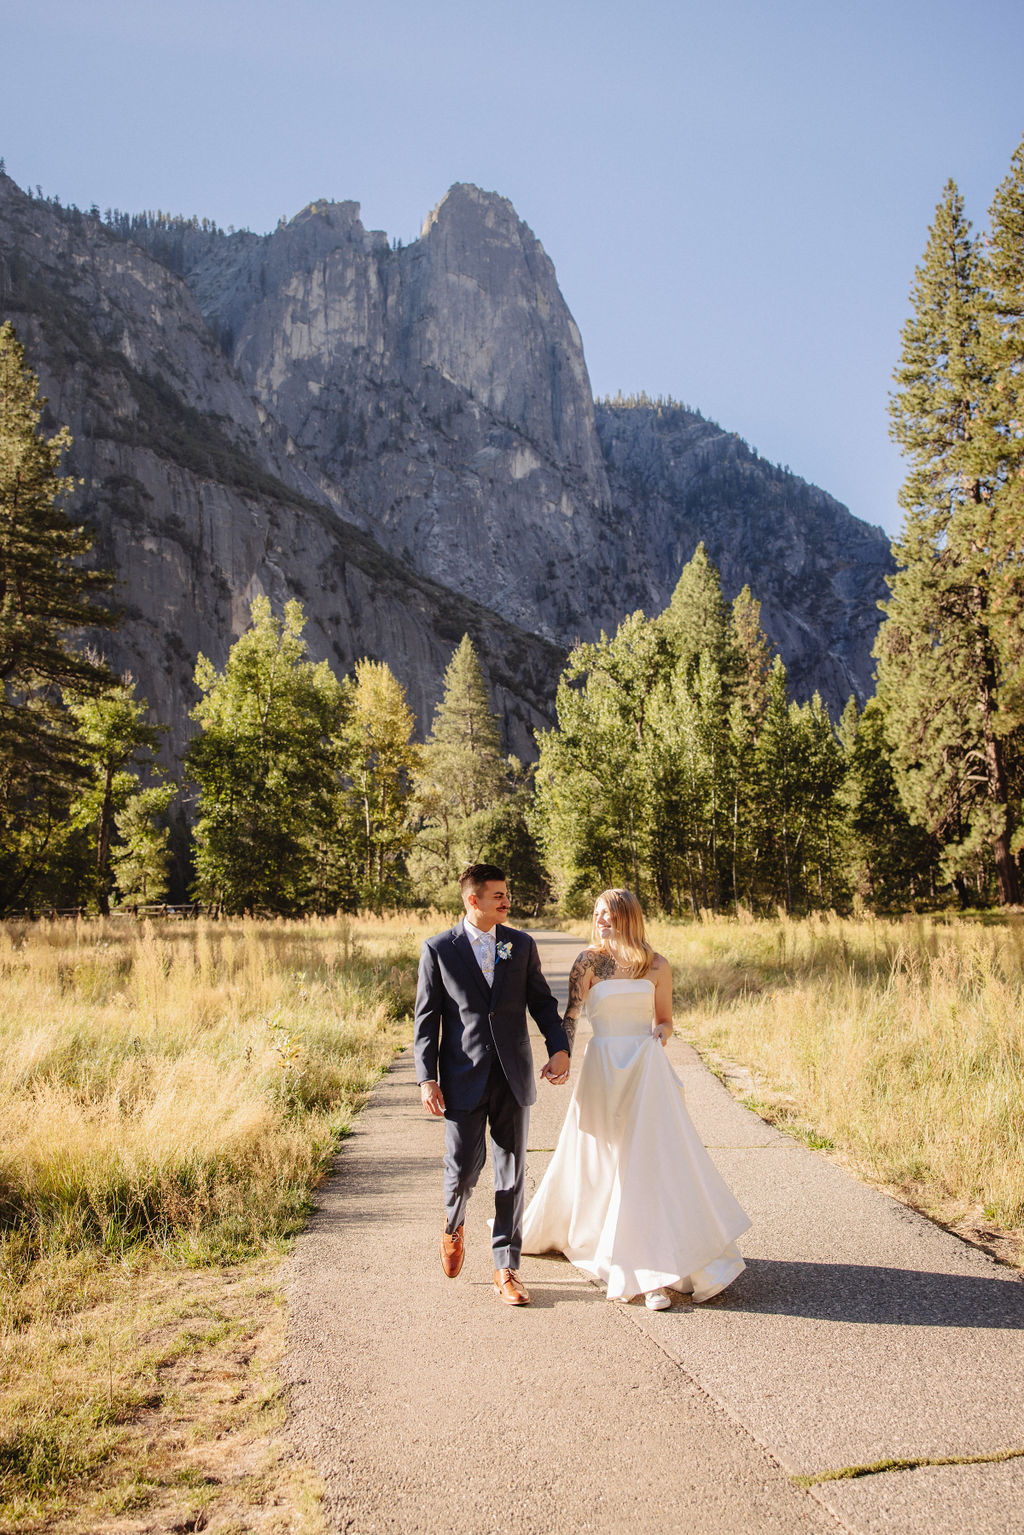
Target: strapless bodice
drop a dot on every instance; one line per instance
(617, 1008)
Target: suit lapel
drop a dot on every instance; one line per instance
(501, 935)
(464, 949)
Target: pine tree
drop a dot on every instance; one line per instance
(821, 774)
(47, 597)
(1002, 422)
(268, 760)
(886, 859)
(46, 594)
(749, 648)
(463, 749)
(696, 619)
(598, 771)
(747, 706)
(777, 759)
(939, 673)
(461, 777)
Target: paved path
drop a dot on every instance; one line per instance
(859, 1332)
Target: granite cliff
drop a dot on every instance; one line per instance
(405, 439)
(201, 501)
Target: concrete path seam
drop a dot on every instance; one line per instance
(806, 1484)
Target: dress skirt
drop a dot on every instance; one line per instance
(631, 1195)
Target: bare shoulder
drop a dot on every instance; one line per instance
(659, 966)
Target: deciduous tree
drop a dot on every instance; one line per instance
(382, 761)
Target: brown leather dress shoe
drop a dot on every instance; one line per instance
(509, 1288)
(453, 1250)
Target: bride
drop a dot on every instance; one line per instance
(630, 1195)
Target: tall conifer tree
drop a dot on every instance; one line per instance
(696, 619)
(268, 761)
(939, 672)
(462, 776)
(47, 596)
(1003, 420)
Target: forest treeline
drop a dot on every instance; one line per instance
(677, 765)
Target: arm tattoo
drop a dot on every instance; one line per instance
(598, 967)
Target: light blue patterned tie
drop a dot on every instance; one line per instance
(485, 954)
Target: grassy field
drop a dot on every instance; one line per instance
(170, 1095)
(897, 1045)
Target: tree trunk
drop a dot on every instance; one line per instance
(996, 783)
(103, 845)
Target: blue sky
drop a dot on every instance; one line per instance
(734, 195)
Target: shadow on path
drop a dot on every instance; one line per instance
(892, 1297)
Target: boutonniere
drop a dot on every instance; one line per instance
(502, 950)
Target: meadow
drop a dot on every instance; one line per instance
(170, 1095)
(896, 1045)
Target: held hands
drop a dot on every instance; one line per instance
(432, 1098)
(556, 1070)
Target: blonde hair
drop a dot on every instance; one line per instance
(628, 943)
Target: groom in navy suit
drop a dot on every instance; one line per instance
(474, 1065)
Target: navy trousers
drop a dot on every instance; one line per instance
(465, 1152)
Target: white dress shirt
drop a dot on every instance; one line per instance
(483, 948)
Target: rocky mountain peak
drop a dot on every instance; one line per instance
(406, 440)
(483, 307)
(467, 205)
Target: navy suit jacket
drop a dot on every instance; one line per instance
(461, 1022)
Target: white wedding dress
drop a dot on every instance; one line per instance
(631, 1195)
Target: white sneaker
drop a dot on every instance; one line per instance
(657, 1300)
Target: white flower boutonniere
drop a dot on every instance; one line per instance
(502, 950)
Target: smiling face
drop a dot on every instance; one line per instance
(603, 924)
(488, 906)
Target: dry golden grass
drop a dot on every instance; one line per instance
(170, 1095)
(144, 1396)
(900, 1044)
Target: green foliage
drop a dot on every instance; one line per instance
(462, 758)
(597, 775)
(115, 740)
(268, 761)
(470, 801)
(949, 649)
(695, 620)
(382, 760)
(888, 860)
(46, 597)
(45, 593)
(141, 857)
(1001, 427)
(680, 768)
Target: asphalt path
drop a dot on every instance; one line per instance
(859, 1333)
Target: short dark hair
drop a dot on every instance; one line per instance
(478, 875)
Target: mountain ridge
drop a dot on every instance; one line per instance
(245, 405)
